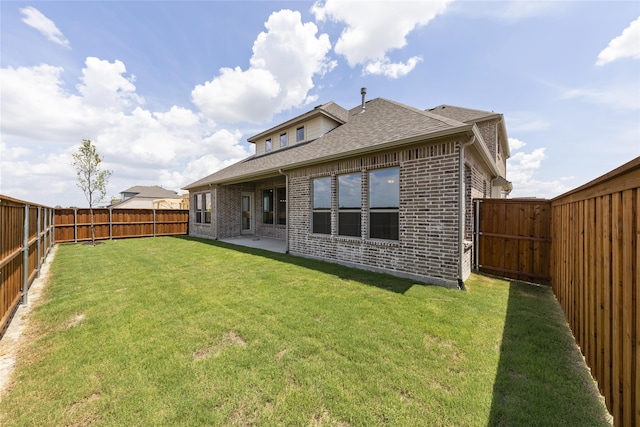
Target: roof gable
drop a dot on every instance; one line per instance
(330, 109)
(383, 124)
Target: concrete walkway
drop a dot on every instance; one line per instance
(258, 242)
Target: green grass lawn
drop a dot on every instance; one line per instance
(181, 331)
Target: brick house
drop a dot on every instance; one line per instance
(383, 186)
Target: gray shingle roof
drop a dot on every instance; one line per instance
(462, 114)
(154, 191)
(384, 123)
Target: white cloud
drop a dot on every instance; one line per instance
(516, 144)
(35, 19)
(285, 59)
(521, 171)
(392, 70)
(373, 29)
(104, 86)
(43, 124)
(36, 104)
(626, 45)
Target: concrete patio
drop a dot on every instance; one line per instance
(258, 242)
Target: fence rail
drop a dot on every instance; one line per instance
(596, 278)
(26, 237)
(74, 225)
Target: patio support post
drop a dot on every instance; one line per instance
(286, 195)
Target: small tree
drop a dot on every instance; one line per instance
(91, 180)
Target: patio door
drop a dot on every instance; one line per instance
(247, 213)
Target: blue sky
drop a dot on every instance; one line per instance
(170, 91)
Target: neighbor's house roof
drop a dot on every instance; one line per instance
(384, 124)
(150, 192)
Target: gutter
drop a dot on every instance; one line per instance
(286, 227)
(461, 209)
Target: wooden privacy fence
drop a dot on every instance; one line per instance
(596, 279)
(513, 238)
(587, 244)
(74, 225)
(26, 237)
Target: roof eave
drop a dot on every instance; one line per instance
(267, 173)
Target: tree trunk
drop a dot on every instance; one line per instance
(93, 233)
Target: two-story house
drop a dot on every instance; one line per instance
(383, 186)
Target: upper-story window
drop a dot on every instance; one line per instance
(267, 145)
(384, 203)
(283, 140)
(300, 134)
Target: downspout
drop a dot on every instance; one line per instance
(286, 226)
(461, 210)
(215, 212)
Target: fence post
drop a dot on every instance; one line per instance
(45, 248)
(52, 223)
(75, 225)
(154, 223)
(38, 246)
(110, 224)
(25, 255)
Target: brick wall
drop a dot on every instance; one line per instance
(427, 248)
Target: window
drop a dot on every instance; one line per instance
(349, 204)
(384, 203)
(300, 134)
(281, 196)
(283, 140)
(267, 206)
(197, 207)
(267, 145)
(202, 208)
(321, 222)
(207, 208)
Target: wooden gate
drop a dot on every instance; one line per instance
(513, 238)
